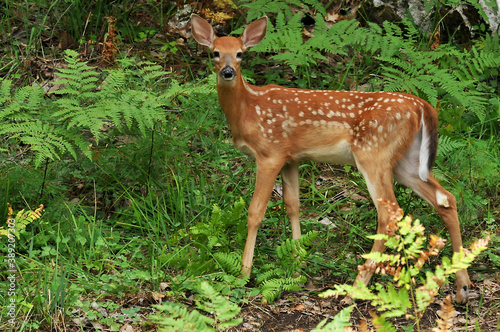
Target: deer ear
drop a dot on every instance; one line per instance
(202, 31)
(254, 32)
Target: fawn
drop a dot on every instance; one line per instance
(385, 134)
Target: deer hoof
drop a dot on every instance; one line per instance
(462, 295)
(346, 301)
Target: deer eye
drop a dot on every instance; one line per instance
(216, 54)
(239, 55)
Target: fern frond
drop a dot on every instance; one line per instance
(258, 8)
(178, 318)
(230, 262)
(43, 139)
(24, 105)
(285, 35)
(296, 247)
(78, 80)
(224, 311)
(273, 288)
(5, 95)
(339, 323)
(447, 145)
(446, 315)
(267, 272)
(315, 5)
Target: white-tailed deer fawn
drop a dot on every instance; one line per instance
(385, 134)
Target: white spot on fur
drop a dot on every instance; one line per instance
(442, 199)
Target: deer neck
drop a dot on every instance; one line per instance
(233, 96)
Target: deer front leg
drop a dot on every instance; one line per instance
(267, 171)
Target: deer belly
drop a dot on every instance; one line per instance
(339, 153)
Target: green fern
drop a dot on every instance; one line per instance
(274, 279)
(215, 232)
(447, 145)
(224, 311)
(179, 318)
(258, 8)
(403, 297)
(296, 249)
(273, 288)
(339, 323)
(88, 107)
(78, 80)
(229, 262)
(115, 104)
(212, 244)
(23, 119)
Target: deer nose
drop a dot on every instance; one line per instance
(228, 73)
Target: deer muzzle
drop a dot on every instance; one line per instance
(228, 73)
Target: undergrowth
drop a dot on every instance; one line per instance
(411, 292)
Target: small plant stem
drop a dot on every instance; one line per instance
(151, 150)
(414, 301)
(44, 179)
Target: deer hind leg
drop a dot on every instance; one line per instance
(267, 171)
(290, 175)
(446, 206)
(379, 182)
